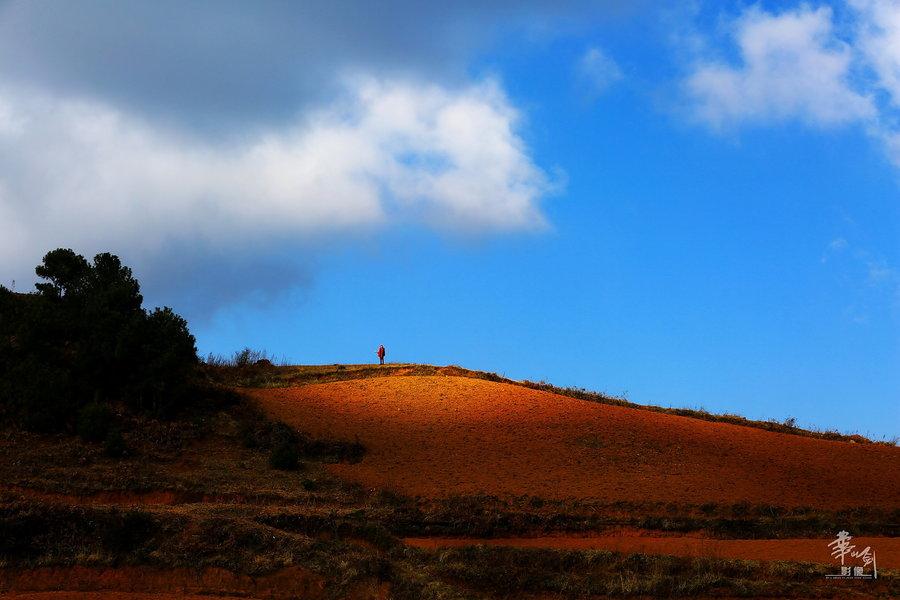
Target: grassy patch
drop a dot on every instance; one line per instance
(487, 516)
(511, 572)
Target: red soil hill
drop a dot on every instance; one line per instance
(438, 436)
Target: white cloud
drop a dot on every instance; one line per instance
(880, 272)
(835, 247)
(878, 39)
(598, 70)
(890, 140)
(792, 66)
(871, 282)
(91, 176)
(837, 244)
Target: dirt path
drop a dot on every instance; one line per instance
(439, 436)
(887, 550)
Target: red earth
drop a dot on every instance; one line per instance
(887, 550)
(436, 436)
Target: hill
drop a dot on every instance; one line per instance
(414, 481)
(439, 436)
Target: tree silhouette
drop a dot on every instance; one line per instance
(83, 337)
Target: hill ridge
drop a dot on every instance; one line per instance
(267, 375)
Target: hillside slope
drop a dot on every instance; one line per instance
(438, 436)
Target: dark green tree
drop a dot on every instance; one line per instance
(83, 337)
(66, 274)
(168, 356)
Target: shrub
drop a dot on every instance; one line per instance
(126, 532)
(244, 368)
(114, 445)
(285, 457)
(249, 357)
(249, 435)
(708, 508)
(93, 422)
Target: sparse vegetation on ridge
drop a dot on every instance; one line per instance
(788, 426)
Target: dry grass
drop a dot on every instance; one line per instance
(510, 573)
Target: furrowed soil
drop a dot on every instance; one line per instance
(439, 436)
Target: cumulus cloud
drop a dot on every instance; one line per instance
(791, 66)
(218, 144)
(805, 64)
(216, 66)
(86, 174)
(878, 39)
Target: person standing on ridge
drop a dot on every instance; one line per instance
(381, 353)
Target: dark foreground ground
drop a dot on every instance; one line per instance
(196, 507)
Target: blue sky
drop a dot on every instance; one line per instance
(691, 207)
